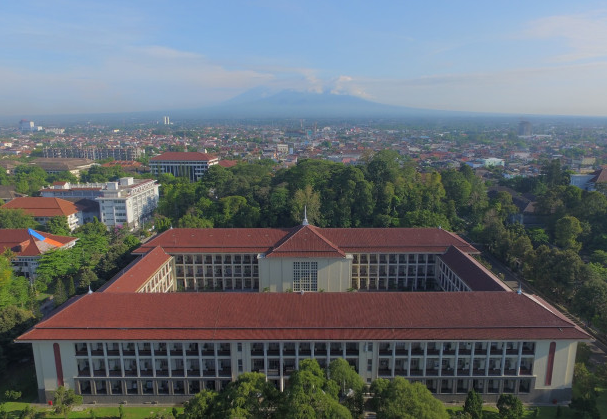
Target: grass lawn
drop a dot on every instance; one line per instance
(546, 412)
(84, 411)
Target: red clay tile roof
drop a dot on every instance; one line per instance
(183, 156)
(42, 207)
(600, 176)
(228, 163)
(473, 273)
(311, 316)
(138, 272)
(344, 240)
(306, 241)
(23, 244)
(216, 240)
(395, 240)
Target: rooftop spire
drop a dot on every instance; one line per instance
(305, 220)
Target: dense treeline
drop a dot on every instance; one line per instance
(385, 191)
(315, 393)
(565, 257)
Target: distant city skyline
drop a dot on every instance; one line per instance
(520, 57)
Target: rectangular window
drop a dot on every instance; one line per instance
(305, 276)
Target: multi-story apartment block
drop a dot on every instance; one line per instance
(127, 202)
(29, 245)
(137, 340)
(192, 165)
(94, 152)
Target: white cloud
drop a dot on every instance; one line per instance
(135, 79)
(584, 34)
(573, 89)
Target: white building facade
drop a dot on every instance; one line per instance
(192, 165)
(168, 356)
(128, 202)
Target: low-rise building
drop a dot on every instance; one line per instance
(74, 166)
(43, 209)
(192, 165)
(29, 245)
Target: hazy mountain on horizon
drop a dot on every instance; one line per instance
(261, 102)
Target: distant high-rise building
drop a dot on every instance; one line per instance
(166, 120)
(26, 126)
(524, 128)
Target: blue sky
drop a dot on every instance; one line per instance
(521, 57)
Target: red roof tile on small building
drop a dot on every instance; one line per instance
(599, 176)
(20, 242)
(311, 316)
(227, 163)
(42, 207)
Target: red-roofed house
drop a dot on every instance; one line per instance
(28, 247)
(43, 209)
(192, 165)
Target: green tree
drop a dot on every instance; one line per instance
(16, 218)
(510, 407)
(311, 395)
(553, 175)
(350, 383)
(307, 199)
(58, 225)
(29, 179)
(60, 295)
(250, 396)
(474, 405)
(402, 400)
(14, 321)
(590, 301)
(199, 406)
(567, 230)
(191, 220)
(56, 265)
(64, 400)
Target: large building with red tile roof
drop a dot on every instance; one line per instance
(43, 209)
(190, 164)
(137, 340)
(29, 245)
(311, 259)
